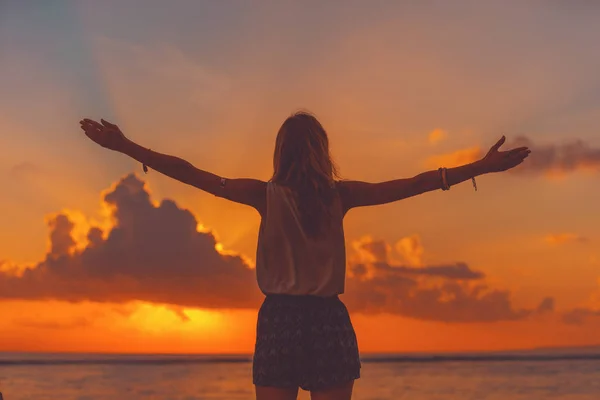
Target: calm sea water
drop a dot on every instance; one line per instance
(531, 376)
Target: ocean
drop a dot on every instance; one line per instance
(527, 375)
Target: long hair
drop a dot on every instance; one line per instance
(302, 163)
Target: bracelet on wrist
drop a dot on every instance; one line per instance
(444, 179)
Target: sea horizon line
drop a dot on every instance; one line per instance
(12, 358)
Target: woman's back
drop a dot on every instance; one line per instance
(289, 259)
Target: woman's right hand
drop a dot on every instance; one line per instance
(105, 134)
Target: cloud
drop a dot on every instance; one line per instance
(436, 136)
(586, 311)
(547, 305)
(566, 157)
(456, 158)
(578, 316)
(154, 252)
(180, 312)
(9, 268)
(448, 293)
(61, 240)
(452, 271)
(410, 249)
(562, 238)
(391, 291)
(548, 159)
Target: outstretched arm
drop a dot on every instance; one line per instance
(358, 194)
(245, 191)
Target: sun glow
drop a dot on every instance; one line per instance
(160, 318)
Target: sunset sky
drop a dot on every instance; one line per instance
(97, 256)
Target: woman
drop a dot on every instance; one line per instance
(304, 334)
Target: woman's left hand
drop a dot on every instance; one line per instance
(497, 161)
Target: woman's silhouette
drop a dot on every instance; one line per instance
(304, 334)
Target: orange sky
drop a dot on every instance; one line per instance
(400, 90)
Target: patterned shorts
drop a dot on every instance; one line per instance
(306, 342)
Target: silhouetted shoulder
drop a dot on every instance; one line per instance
(247, 191)
(344, 189)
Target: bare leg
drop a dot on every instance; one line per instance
(273, 393)
(342, 392)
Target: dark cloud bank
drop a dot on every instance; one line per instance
(155, 253)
